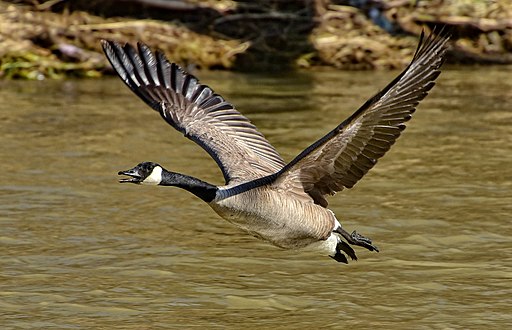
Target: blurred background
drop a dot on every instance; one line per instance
(56, 38)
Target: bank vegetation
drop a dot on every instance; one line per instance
(56, 38)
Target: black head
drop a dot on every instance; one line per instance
(144, 173)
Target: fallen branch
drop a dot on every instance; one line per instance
(482, 24)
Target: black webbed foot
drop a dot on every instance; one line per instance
(357, 239)
(363, 241)
(347, 249)
(340, 257)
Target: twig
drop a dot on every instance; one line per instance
(483, 24)
(48, 4)
(264, 16)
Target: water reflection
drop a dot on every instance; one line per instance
(80, 250)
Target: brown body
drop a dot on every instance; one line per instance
(273, 216)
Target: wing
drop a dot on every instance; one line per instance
(239, 149)
(344, 155)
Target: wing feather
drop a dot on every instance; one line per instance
(240, 150)
(343, 156)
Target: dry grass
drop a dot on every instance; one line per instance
(37, 44)
(347, 39)
(42, 44)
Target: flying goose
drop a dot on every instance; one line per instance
(282, 203)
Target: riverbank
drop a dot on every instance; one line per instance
(55, 39)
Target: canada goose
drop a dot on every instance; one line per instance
(282, 203)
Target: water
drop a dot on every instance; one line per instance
(80, 250)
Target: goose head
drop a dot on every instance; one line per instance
(144, 173)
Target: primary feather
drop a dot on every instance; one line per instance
(343, 156)
(239, 149)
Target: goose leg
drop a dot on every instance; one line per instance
(357, 239)
(340, 257)
(342, 246)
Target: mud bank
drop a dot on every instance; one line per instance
(58, 38)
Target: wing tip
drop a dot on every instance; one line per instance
(436, 40)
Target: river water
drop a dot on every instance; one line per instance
(80, 250)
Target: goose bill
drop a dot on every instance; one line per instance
(134, 175)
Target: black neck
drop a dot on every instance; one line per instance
(201, 189)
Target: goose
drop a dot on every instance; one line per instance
(282, 203)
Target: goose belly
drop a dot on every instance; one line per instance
(284, 222)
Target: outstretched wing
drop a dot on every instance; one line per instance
(239, 149)
(344, 155)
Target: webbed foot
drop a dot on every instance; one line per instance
(340, 257)
(357, 239)
(347, 249)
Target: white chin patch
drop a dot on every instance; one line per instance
(155, 177)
